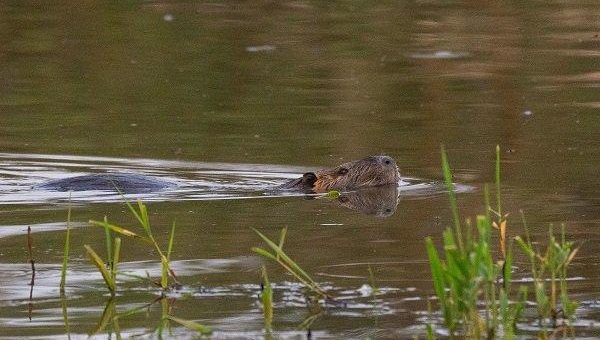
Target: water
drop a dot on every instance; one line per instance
(230, 99)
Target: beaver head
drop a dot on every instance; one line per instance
(366, 172)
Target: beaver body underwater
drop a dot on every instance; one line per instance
(371, 171)
(368, 172)
(123, 182)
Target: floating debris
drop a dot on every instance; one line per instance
(440, 55)
(261, 48)
(527, 113)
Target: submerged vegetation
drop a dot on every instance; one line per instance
(470, 276)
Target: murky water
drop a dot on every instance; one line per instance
(231, 99)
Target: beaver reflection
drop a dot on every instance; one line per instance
(380, 201)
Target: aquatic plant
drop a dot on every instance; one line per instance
(63, 272)
(142, 217)
(107, 269)
(190, 324)
(469, 276)
(266, 296)
(549, 267)
(32, 262)
(287, 263)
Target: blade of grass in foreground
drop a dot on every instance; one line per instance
(97, 261)
(286, 262)
(191, 325)
(63, 272)
(267, 299)
(452, 196)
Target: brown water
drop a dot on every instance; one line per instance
(232, 98)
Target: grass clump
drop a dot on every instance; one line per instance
(469, 276)
(549, 271)
(168, 278)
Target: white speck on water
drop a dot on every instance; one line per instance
(133, 124)
(331, 224)
(168, 17)
(261, 48)
(527, 113)
(365, 290)
(440, 55)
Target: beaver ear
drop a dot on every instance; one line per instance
(341, 171)
(309, 178)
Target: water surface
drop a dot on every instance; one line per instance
(231, 98)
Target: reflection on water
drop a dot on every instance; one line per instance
(378, 201)
(229, 89)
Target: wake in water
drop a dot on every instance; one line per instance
(22, 176)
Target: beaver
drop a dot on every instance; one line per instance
(126, 183)
(367, 172)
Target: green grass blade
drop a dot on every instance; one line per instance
(66, 251)
(108, 240)
(63, 272)
(288, 264)
(115, 260)
(205, 330)
(282, 236)
(452, 196)
(498, 201)
(283, 257)
(171, 238)
(146, 220)
(164, 277)
(115, 228)
(65, 315)
(526, 247)
(97, 261)
(439, 285)
(267, 299)
(133, 211)
(264, 253)
(507, 269)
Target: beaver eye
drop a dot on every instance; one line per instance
(342, 171)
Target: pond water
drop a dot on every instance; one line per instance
(230, 99)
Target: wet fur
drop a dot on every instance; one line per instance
(367, 172)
